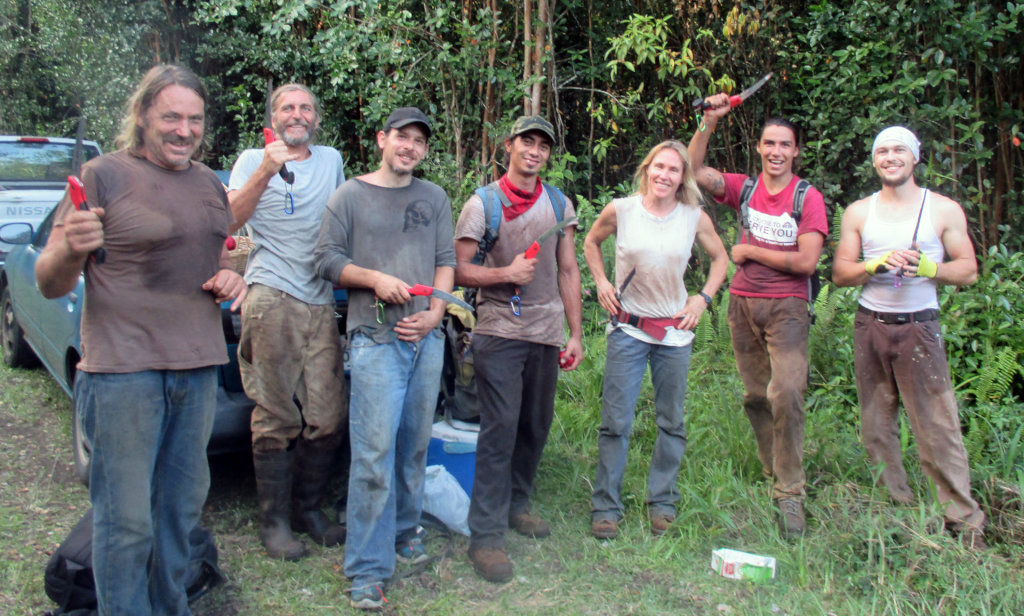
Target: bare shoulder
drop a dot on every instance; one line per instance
(856, 213)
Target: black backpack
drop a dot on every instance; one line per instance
(69, 582)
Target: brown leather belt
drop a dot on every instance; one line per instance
(654, 327)
(897, 318)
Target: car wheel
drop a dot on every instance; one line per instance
(17, 353)
(81, 448)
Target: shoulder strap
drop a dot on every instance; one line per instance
(492, 198)
(798, 199)
(557, 199)
(746, 194)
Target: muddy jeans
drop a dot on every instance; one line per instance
(769, 339)
(908, 360)
(290, 349)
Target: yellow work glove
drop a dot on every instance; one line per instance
(877, 265)
(926, 267)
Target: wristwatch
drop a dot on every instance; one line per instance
(706, 297)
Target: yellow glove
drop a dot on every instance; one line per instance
(926, 267)
(877, 265)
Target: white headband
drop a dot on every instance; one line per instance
(901, 135)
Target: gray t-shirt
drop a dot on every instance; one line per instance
(282, 252)
(542, 314)
(405, 232)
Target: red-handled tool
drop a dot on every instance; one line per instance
(425, 291)
(286, 175)
(230, 243)
(76, 190)
(734, 101)
(534, 248)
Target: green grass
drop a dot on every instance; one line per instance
(862, 555)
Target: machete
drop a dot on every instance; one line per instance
(534, 248)
(269, 136)
(700, 104)
(425, 291)
(76, 190)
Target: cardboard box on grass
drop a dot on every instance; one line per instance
(742, 566)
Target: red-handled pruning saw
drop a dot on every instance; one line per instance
(734, 101)
(286, 175)
(425, 291)
(76, 190)
(534, 248)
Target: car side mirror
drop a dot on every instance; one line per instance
(16, 233)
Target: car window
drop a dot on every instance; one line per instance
(38, 161)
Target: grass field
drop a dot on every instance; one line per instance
(862, 555)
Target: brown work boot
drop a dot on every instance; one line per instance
(792, 524)
(529, 525)
(604, 529)
(660, 523)
(492, 564)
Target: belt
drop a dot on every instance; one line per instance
(896, 318)
(654, 327)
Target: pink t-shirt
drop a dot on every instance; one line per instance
(772, 226)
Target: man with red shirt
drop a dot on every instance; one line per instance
(768, 313)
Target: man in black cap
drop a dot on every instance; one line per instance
(521, 309)
(382, 233)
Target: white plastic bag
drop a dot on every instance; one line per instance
(445, 499)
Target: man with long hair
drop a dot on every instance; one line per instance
(151, 338)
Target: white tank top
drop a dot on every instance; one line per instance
(879, 237)
(659, 248)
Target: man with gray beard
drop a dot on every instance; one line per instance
(290, 346)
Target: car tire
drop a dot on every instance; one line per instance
(80, 447)
(17, 353)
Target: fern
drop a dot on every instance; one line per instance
(997, 371)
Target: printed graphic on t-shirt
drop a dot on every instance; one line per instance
(417, 215)
(774, 230)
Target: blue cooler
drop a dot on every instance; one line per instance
(457, 457)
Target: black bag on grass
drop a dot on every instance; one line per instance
(69, 582)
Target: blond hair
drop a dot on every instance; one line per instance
(154, 81)
(687, 193)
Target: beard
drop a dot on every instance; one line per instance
(896, 182)
(294, 141)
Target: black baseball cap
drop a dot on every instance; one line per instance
(404, 116)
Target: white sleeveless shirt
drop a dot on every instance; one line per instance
(879, 237)
(659, 247)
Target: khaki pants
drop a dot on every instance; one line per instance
(908, 361)
(769, 339)
(290, 349)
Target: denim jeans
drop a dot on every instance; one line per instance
(624, 371)
(393, 398)
(769, 340)
(148, 482)
(908, 361)
(516, 383)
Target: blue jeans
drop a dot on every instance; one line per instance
(393, 398)
(148, 482)
(624, 371)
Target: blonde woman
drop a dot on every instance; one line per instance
(653, 319)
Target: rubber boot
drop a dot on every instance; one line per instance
(313, 470)
(274, 492)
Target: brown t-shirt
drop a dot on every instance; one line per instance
(542, 315)
(164, 230)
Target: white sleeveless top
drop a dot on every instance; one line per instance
(879, 237)
(659, 248)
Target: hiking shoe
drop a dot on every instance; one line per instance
(791, 519)
(529, 525)
(492, 564)
(660, 523)
(412, 552)
(604, 529)
(367, 598)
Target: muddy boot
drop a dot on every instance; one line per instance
(312, 472)
(274, 492)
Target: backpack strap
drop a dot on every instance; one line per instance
(493, 199)
(557, 199)
(746, 194)
(798, 199)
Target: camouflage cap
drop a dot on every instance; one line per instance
(526, 124)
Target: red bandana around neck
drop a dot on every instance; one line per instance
(520, 200)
